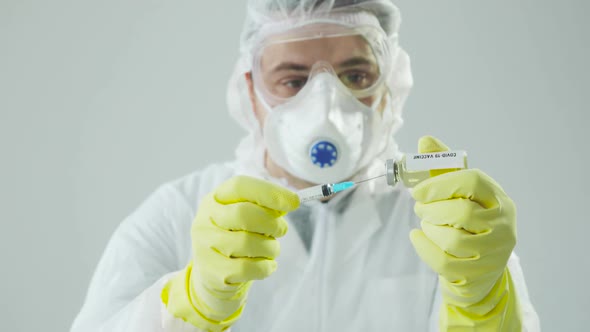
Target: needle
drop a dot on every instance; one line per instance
(369, 179)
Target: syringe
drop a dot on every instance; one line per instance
(410, 170)
(327, 190)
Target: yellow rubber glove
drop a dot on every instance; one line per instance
(468, 233)
(234, 242)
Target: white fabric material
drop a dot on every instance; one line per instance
(361, 273)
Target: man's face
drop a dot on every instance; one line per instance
(285, 67)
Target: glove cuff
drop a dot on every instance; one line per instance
(181, 302)
(218, 304)
(499, 310)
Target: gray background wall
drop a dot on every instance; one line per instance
(102, 101)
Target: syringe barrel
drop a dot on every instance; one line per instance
(315, 192)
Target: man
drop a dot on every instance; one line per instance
(319, 87)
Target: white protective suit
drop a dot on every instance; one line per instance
(361, 274)
(345, 265)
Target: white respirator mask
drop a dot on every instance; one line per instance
(324, 134)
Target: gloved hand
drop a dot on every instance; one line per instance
(468, 233)
(234, 242)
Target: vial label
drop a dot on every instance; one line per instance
(435, 160)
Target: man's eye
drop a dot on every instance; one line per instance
(356, 80)
(295, 84)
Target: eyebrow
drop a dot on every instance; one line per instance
(290, 66)
(356, 61)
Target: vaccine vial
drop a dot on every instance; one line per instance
(415, 168)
